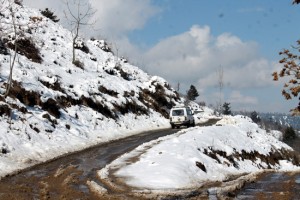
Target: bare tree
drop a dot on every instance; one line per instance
(178, 87)
(12, 35)
(220, 73)
(116, 57)
(12, 60)
(9, 28)
(78, 14)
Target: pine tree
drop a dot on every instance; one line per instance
(3, 49)
(289, 134)
(19, 2)
(192, 93)
(255, 117)
(226, 109)
(49, 14)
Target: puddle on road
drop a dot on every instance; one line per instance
(274, 185)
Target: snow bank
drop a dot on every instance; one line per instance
(195, 156)
(24, 147)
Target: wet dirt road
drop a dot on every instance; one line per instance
(274, 186)
(66, 177)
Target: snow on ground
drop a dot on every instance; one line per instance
(24, 149)
(194, 156)
(56, 108)
(202, 113)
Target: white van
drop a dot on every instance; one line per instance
(181, 116)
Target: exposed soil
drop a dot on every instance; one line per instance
(56, 185)
(67, 177)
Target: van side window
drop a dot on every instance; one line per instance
(189, 112)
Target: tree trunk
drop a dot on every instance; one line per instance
(12, 63)
(73, 58)
(74, 41)
(9, 81)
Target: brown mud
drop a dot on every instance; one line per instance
(68, 177)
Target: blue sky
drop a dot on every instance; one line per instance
(273, 24)
(188, 41)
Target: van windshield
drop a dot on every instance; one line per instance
(178, 112)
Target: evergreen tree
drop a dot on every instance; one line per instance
(192, 93)
(226, 109)
(49, 14)
(3, 49)
(289, 134)
(19, 2)
(254, 116)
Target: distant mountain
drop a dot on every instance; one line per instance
(282, 119)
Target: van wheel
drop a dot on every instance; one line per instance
(193, 124)
(173, 126)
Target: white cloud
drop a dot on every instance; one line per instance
(254, 74)
(179, 58)
(40, 4)
(239, 101)
(237, 98)
(115, 18)
(57, 6)
(195, 56)
(226, 40)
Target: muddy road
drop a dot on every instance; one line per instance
(66, 177)
(274, 186)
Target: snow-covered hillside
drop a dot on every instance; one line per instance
(55, 107)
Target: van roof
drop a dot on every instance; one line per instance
(180, 106)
